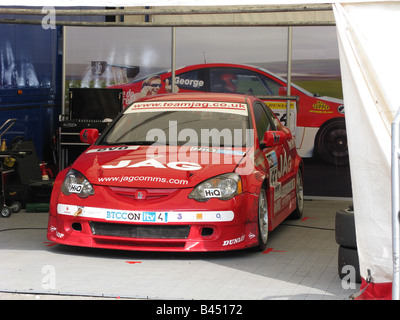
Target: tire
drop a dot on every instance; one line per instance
(331, 142)
(262, 221)
(345, 228)
(348, 257)
(15, 206)
(298, 212)
(5, 212)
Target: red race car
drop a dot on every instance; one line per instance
(180, 172)
(316, 122)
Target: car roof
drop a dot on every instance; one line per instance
(204, 96)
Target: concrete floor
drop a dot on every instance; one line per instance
(300, 264)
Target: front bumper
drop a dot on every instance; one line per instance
(155, 225)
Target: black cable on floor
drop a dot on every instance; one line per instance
(318, 228)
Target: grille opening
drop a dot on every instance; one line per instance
(140, 243)
(77, 226)
(140, 231)
(206, 232)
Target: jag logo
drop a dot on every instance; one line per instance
(178, 165)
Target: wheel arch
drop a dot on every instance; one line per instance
(320, 149)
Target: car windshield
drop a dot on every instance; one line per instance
(177, 123)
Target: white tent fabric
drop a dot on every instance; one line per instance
(370, 68)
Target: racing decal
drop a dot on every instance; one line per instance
(233, 241)
(177, 165)
(109, 214)
(272, 158)
(321, 107)
(276, 172)
(59, 235)
(229, 107)
(75, 188)
(251, 235)
(279, 109)
(108, 149)
(78, 212)
(217, 150)
(278, 105)
(288, 187)
(340, 109)
(281, 193)
(189, 82)
(285, 164)
(132, 178)
(277, 191)
(212, 193)
(291, 143)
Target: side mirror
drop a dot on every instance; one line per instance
(273, 138)
(89, 135)
(282, 91)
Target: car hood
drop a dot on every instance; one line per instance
(156, 167)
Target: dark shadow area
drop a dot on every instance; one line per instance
(326, 180)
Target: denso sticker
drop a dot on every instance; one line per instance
(108, 149)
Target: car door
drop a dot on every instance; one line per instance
(280, 158)
(264, 122)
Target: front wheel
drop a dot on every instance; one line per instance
(262, 221)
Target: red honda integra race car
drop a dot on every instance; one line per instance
(180, 172)
(317, 122)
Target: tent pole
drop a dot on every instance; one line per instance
(289, 75)
(64, 50)
(395, 206)
(173, 59)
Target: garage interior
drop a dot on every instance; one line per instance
(301, 262)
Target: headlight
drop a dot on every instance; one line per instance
(75, 182)
(223, 187)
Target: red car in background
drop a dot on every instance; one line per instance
(180, 172)
(319, 126)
